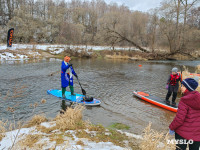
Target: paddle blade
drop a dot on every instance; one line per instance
(84, 92)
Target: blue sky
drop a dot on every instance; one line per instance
(141, 5)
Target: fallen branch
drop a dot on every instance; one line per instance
(123, 38)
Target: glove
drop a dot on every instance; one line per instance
(171, 132)
(167, 86)
(70, 65)
(76, 75)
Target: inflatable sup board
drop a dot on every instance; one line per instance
(77, 98)
(154, 100)
(195, 74)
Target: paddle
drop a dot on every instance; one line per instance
(181, 76)
(83, 91)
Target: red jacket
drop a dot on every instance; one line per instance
(187, 120)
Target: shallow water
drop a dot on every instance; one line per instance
(111, 81)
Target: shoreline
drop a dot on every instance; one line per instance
(28, 51)
(66, 131)
(69, 131)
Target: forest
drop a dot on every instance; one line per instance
(174, 26)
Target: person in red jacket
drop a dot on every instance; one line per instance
(172, 86)
(186, 123)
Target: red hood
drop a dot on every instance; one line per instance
(192, 99)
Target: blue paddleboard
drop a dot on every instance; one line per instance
(77, 98)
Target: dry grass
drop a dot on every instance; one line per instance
(3, 129)
(198, 69)
(57, 137)
(36, 120)
(45, 129)
(70, 135)
(153, 140)
(71, 119)
(124, 54)
(102, 136)
(30, 140)
(83, 134)
(99, 128)
(80, 143)
(186, 74)
(25, 52)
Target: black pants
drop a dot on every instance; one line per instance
(169, 93)
(194, 146)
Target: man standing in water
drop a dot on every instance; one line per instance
(172, 86)
(66, 76)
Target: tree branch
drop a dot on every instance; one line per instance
(123, 38)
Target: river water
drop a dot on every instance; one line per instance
(24, 83)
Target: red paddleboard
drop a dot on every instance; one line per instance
(195, 74)
(154, 100)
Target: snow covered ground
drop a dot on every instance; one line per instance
(47, 143)
(47, 46)
(17, 52)
(10, 56)
(26, 51)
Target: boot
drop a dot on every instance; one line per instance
(173, 104)
(63, 92)
(72, 90)
(167, 102)
(174, 97)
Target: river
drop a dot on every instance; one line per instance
(23, 83)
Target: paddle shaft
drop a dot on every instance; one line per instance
(83, 91)
(181, 76)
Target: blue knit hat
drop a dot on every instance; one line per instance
(190, 84)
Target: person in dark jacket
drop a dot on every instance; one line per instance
(186, 124)
(67, 73)
(172, 86)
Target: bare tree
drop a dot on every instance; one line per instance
(153, 25)
(174, 26)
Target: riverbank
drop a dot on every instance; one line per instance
(69, 131)
(28, 51)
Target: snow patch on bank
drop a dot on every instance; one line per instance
(60, 48)
(9, 138)
(70, 142)
(26, 51)
(11, 56)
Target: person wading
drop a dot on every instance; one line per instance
(172, 86)
(67, 73)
